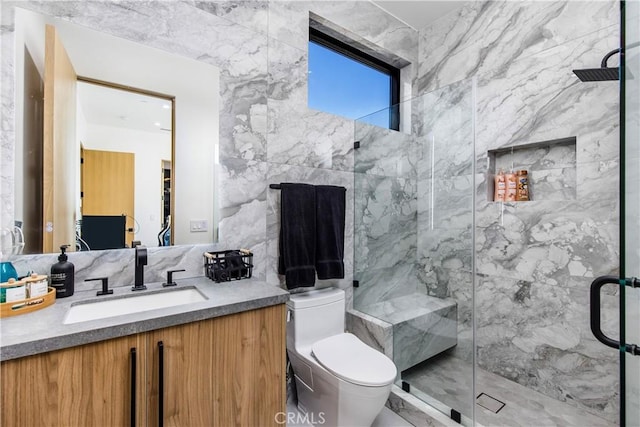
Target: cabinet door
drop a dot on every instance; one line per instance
(181, 357)
(89, 385)
(249, 369)
(222, 372)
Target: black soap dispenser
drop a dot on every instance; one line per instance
(62, 275)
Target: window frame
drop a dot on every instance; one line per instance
(355, 54)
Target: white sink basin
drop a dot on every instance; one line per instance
(82, 312)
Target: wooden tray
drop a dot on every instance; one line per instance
(28, 305)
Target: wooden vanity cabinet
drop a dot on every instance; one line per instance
(88, 385)
(225, 371)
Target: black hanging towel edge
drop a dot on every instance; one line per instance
(279, 187)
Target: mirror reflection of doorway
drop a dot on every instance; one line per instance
(107, 193)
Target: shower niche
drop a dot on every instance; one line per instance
(551, 167)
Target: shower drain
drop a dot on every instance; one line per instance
(490, 403)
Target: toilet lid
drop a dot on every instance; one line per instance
(352, 360)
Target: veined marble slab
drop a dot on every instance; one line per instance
(385, 225)
(402, 309)
(385, 152)
(383, 284)
(487, 35)
(449, 381)
(287, 173)
(423, 326)
(372, 331)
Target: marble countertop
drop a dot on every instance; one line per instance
(44, 330)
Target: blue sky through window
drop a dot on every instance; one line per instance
(346, 87)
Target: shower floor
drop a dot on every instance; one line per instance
(448, 380)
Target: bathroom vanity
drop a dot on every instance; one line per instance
(216, 362)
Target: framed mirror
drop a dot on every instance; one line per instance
(172, 190)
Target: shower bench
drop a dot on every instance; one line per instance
(421, 326)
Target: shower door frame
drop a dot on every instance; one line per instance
(629, 212)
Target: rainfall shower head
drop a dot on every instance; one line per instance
(601, 74)
(598, 74)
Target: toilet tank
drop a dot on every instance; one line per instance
(315, 315)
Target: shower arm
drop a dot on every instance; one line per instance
(603, 64)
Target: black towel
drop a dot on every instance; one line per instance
(330, 215)
(297, 234)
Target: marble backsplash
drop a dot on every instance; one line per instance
(119, 265)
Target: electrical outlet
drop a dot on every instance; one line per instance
(198, 225)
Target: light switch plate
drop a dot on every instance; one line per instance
(198, 225)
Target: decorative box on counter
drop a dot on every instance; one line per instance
(223, 266)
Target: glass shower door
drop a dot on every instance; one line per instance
(630, 263)
(628, 341)
(413, 243)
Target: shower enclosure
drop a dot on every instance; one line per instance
(484, 305)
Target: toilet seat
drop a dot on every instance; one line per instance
(348, 358)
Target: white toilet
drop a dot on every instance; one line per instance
(340, 380)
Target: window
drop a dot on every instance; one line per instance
(350, 83)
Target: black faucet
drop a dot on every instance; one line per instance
(105, 286)
(170, 281)
(141, 261)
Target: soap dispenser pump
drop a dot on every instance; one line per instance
(62, 275)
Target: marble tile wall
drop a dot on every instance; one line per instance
(267, 133)
(535, 260)
(489, 35)
(288, 173)
(7, 124)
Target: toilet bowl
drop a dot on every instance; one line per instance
(340, 381)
